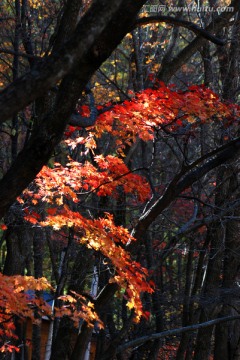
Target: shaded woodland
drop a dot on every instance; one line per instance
(119, 164)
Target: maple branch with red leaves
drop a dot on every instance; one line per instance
(96, 36)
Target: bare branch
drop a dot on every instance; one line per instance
(143, 339)
(21, 54)
(167, 71)
(185, 178)
(179, 22)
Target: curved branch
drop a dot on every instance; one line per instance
(84, 122)
(143, 339)
(178, 22)
(167, 71)
(184, 179)
(198, 224)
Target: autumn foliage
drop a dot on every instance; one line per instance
(15, 300)
(164, 109)
(60, 188)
